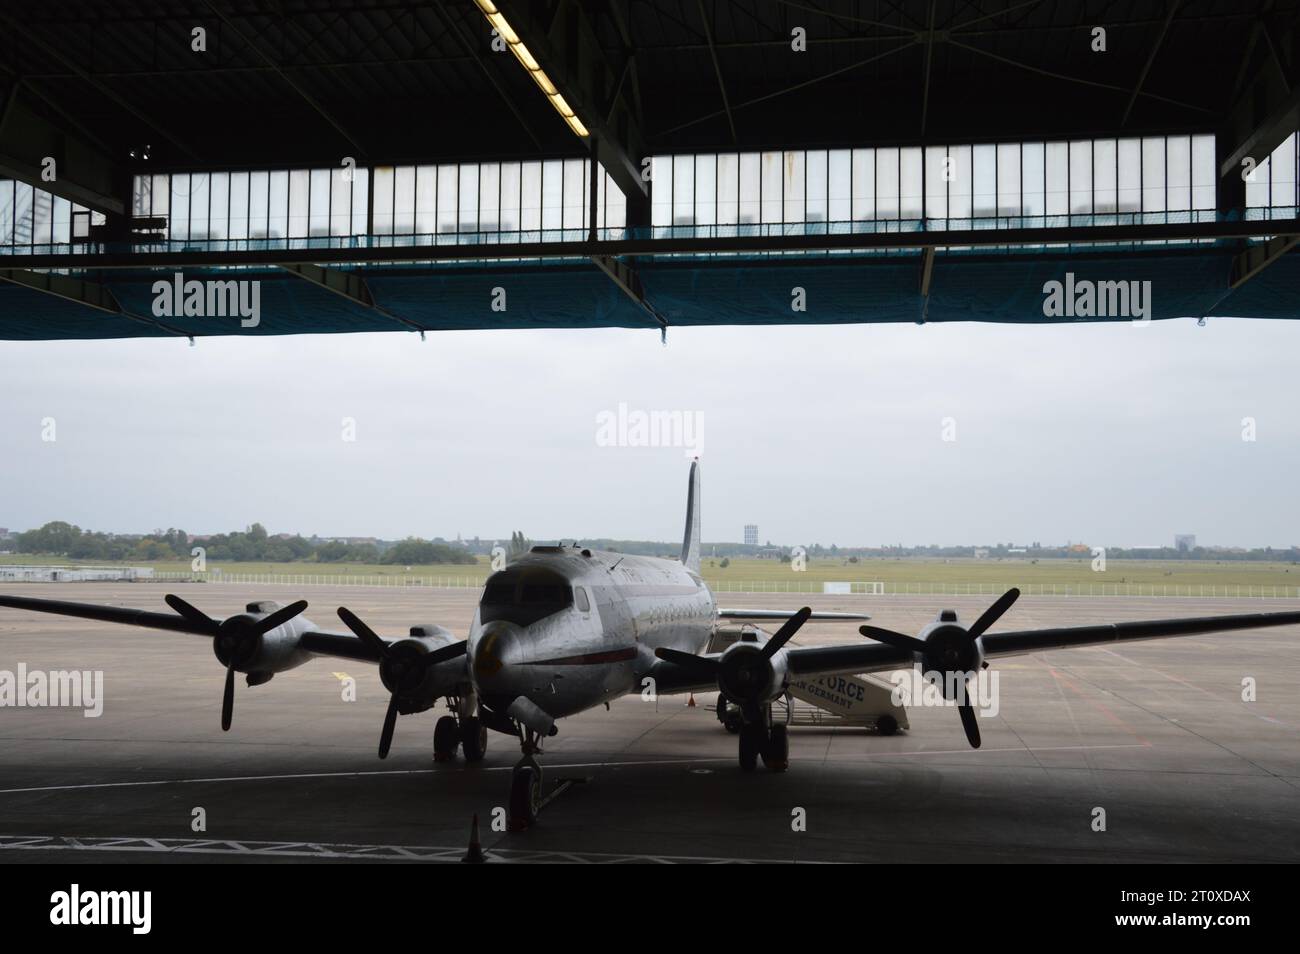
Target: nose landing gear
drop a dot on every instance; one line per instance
(526, 783)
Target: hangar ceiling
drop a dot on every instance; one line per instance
(118, 91)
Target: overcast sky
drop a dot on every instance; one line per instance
(1109, 435)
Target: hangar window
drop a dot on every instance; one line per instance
(430, 201)
(1273, 184)
(1092, 180)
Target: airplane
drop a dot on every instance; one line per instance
(565, 629)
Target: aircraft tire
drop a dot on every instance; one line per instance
(751, 743)
(473, 738)
(446, 738)
(525, 795)
(776, 754)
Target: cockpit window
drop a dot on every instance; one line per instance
(525, 596)
(580, 597)
(499, 593)
(532, 594)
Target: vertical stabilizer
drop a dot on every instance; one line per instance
(691, 539)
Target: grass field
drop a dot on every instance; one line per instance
(890, 571)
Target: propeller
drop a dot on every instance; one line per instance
(740, 674)
(402, 667)
(950, 649)
(235, 640)
(708, 667)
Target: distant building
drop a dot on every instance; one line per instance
(1184, 541)
(751, 534)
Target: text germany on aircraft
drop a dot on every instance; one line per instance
(565, 629)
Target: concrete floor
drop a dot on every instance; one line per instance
(1154, 733)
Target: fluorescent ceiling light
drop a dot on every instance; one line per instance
(529, 63)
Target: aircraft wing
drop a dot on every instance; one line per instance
(317, 641)
(768, 614)
(877, 657)
(681, 673)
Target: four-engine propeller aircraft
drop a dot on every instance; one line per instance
(565, 629)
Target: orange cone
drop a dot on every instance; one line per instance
(690, 700)
(474, 855)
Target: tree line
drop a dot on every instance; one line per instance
(253, 545)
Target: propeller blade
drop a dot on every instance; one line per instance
(993, 612)
(429, 660)
(390, 722)
(696, 665)
(279, 617)
(970, 724)
(782, 635)
(891, 638)
(228, 699)
(363, 632)
(192, 613)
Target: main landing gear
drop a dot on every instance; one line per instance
(759, 738)
(463, 730)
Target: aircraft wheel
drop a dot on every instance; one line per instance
(733, 724)
(473, 738)
(886, 725)
(752, 738)
(776, 754)
(446, 737)
(525, 796)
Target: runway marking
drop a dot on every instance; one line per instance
(1230, 701)
(547, 766)
(351, 852)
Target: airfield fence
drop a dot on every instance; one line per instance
(1099, 589)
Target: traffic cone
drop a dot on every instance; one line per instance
(474, 855)
(690, 700)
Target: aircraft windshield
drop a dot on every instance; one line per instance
(525, 597)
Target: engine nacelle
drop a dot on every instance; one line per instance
(257, 654)
(749, 679)
(418, 688)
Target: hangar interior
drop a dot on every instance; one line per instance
(384, 165)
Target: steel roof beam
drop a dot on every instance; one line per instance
(564, 43)
(348, 285)
(83, 173)
(78, 291)
(625, 276)
(1253, 259)
(1268, 109)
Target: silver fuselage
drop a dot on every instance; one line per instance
(567, 658)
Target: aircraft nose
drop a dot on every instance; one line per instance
(499, 648)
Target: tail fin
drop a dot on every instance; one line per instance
(691, 539)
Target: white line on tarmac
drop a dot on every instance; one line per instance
(548, 766)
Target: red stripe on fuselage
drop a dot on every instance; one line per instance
(590, 659)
